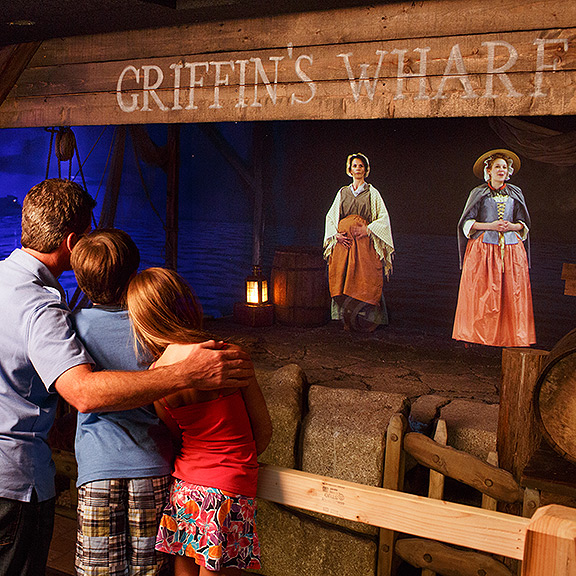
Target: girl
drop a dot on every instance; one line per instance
(209, 522)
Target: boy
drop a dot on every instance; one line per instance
(124, 458)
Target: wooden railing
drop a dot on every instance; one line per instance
(546, 543)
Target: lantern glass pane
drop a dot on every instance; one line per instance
(252, 292)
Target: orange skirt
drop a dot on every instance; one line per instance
(494, 306)
(355, 271)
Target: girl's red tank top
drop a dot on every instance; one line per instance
(218, 448)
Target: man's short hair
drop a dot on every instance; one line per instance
(104, 261)
(53, 209)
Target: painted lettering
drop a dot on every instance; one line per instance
(219, 81)
(124, 107)
(177, 70)
(363, 79)
(541, 44)
(259, 72)
(304, 78)
(456, 61)
(194, 82)
(242, 88)
(150, 89)
(500, 72)
(421, 74)
(146, 87)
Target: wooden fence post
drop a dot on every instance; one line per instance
(393, 479)
(550, 546)
(518, 431)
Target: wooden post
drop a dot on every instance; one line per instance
(172, 196)
(436, 483)
(393, 479)
(110, 203)
(550, 545)
(518, 432)
(258, 151)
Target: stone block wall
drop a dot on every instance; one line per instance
(340, 432)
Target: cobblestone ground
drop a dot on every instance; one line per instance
(391, 359)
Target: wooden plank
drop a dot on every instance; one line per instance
(515, 52)
(488, 502)
(463, 467)
(551, 543)
(416, 515)
(396, 20)
(569, 276)
(332, 100)
(439, 558)
(392, 479)
(436, 485)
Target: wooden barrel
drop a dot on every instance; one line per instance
(555, 397)
(300, 286)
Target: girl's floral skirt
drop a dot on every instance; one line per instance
(215, 528)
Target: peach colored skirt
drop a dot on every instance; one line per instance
(355, 271)
(495, 307)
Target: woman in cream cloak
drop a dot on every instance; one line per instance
(358, 245)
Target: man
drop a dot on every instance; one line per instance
(41, 355)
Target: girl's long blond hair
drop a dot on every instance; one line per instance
(164, 310)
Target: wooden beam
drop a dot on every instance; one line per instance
(551, 543)
(475, 528)
(392, 479)
(335, 100)
(13, 61)
(463, 467)
(391, 21)
(441, 58)
(434, 557)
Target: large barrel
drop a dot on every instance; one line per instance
(300, 286)
(555, 397)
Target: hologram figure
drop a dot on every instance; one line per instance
(495, 299)
(358, 244)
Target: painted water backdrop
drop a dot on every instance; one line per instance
(216, 257)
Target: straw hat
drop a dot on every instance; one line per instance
(479, 164)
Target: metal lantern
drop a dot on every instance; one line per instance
(256, 287)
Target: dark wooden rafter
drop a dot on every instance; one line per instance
(110, 202)
(13, 61)
(172, 188)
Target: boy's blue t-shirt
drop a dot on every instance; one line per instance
(124, 444)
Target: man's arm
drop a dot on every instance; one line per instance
(206, 366)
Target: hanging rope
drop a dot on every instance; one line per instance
(81, 165)
(52, 132)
